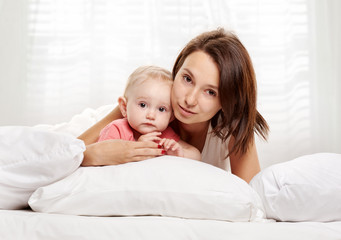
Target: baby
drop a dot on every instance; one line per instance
(147, 111)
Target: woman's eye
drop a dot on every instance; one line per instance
(187, 79)
(211, 93)
(162, 109)
(142, 105)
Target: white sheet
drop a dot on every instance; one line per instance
(25, 224)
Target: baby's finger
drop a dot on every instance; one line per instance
(155, 139)
(151, 139)
(162, 141)
(154, 134)
(166, 144)
(175, 147)
(169, 143)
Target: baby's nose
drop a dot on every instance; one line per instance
(151, 115)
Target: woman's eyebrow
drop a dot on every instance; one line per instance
(213, 87)
(189, 72)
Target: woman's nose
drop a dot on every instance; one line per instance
(191, 99)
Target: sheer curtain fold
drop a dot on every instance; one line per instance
(326, 74)
(80, 53)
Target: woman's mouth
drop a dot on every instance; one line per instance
(185, 112)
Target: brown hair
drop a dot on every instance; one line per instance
(237, 87)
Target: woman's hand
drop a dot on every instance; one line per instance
(113, 152)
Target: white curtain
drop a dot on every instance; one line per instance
(76, 54)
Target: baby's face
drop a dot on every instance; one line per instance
(149, 106)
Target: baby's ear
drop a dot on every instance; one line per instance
(122, 103)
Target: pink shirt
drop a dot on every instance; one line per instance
(120, 129)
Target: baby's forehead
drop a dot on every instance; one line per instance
(143, 83)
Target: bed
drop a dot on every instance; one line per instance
(44, 194)
(25, 224)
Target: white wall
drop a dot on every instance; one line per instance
(12, 61)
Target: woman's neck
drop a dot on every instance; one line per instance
(194, 134)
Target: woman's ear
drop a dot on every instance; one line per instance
(122, 103)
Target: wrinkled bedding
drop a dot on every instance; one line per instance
(25, 224)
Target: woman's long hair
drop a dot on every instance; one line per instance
(237, 87)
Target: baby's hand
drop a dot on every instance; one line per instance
(172, 147)
(151, 137)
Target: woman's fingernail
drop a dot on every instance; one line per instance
(159, 146)
(163, 152)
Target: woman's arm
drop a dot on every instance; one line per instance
(113, 152)
(190, 151)
(246, 165)
(116, 151)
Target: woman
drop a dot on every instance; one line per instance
(214, 103)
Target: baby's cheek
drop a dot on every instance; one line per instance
(164, 122)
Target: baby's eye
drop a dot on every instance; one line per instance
(142, 105)
(162, 109)
(211, 93)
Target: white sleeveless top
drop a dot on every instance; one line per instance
(215, 151)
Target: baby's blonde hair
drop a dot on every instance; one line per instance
(144, 73)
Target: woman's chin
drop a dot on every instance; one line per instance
(184, 119)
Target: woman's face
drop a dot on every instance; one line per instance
(195, 89)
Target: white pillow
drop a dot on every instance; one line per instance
(166, 186)
(305, 189)
(31, 158)
(79, 122)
